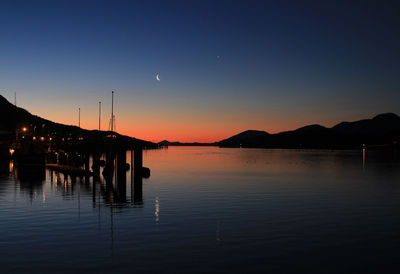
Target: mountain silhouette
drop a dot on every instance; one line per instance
(383, 129)
(197, 144)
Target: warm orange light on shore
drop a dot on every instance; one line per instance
(24, 129)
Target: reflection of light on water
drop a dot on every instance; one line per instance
(65, 183)
(11, 167)
(363, 157)
(44, 197)
(157, 211)
(57, 180)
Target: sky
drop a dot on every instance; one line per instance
(224, 66)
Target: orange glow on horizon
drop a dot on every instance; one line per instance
(187, 125)
(201, 135)
(190, 133)
(157, 131)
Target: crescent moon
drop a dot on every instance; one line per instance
(158, 77)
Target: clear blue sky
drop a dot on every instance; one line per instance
(225, 66)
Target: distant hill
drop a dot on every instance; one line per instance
(383, 129)
(168, 143)
(13, 118)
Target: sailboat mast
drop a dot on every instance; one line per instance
(112, 111)
(99, 115)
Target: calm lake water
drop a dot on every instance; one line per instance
(211, 210)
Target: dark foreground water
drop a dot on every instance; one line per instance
(211, 210)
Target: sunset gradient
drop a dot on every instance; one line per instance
(224, 67)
